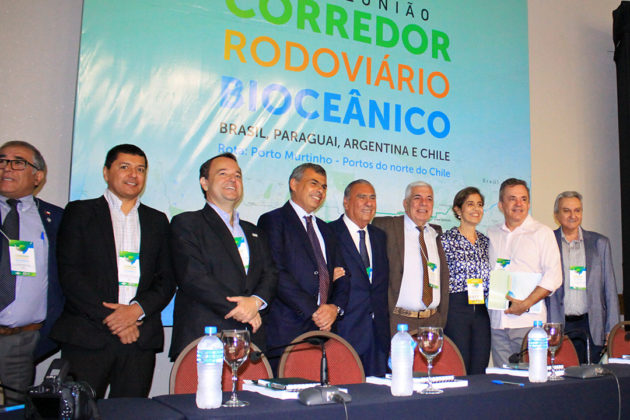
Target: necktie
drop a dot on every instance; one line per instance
(11, 228)
(322, 268)
(363, 249)
(427, 292)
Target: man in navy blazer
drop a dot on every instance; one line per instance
(34, 302)
(225, 275)
(364, 248)
(587, 300)
(312, 291)
(115, 271)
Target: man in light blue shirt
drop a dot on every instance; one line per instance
(223, 267)
(30, 296)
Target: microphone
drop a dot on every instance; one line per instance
(516, 357)
(257, 355)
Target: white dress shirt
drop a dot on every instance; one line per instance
(531, 248)
(410, 296)
(126, 233)
(353, 229)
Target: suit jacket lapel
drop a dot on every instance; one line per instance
(590, 250)
(377, 251)
(146, 233)
(227, 240)
(399, 237)
(560, 290)
(107, 241)
(252, 243)
(347, 242)
(46, 216)
(297, 227)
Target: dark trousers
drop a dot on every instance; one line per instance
(576, 329)
(126, 368)
(469, 328)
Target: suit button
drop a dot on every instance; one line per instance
(316, 273)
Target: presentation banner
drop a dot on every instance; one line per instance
(389, 91)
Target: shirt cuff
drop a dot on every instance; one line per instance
(264, 303)
(141, 317)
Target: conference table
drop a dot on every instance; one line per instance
(595, 398)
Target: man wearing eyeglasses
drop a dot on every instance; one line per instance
(30, 296)
(115, 271)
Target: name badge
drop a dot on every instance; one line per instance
(128, 276)
(475, 291)
(577, 277)
(22, 258)
(243, 251)
(502, 264)
(434, 276)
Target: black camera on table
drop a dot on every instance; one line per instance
(57, 398)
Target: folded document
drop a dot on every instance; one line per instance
(447, 381)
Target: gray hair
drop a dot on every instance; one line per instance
(565, 194)
(414, 185)
(298, 172)
(38, 159)
(346, 192)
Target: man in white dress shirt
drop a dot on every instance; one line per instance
(528, 250)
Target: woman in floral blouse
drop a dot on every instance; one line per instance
(466, 249)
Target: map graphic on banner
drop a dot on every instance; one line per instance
(389, 91)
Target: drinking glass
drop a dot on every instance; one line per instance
(554, 337)
(430, 341)
(235, 351)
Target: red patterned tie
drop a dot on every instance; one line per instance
(322, 268)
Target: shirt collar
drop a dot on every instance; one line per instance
(352, 227)
(116, 203)
(25, 202)
(525, 226)
(225, 216)
(410, 224)
(579, 239)
(299, 210)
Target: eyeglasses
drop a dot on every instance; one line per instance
(16, 164)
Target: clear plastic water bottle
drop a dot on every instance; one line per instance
(537, 348)
(402, 362)
(209, 370)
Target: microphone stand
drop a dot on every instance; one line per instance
(256, 355)
(323, 393)
(588, 370)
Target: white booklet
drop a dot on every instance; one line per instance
(518, 284)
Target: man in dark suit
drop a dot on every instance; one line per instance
(223, 266)
(110, 328)
(31, 301)
(364, 248)
(418, 273)
(587, 301)
(312, 286)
